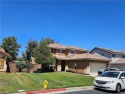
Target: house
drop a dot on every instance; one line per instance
(3, 56)
(67, 56)
(117, 57)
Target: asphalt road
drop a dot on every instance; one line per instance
(93, 92)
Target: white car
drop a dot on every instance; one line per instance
(110, 80)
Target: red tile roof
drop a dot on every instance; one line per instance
(86, 56)
(63, 47)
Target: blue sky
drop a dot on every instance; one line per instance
(81, 23)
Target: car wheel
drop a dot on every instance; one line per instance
(118, 88)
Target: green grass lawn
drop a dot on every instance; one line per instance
(11, 82)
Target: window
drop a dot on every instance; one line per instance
(53, 51)
(123, 56)
(110, 74)
(122, 75)
(73, 52)
(113, 55)
(82, 52)
(102, 55)
(60, 51)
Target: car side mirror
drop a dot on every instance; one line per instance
(122, 77)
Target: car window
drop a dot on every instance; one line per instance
(122, 75)
(110, 74)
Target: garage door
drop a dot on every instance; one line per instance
(94, 67)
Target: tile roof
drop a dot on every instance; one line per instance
(2, 51)
(76, 48)
(58, 46)
(86, 56)
(110, 50)
(119, 61)
(63, 47)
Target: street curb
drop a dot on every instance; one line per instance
(79, 88)
(57, 91)
(46, 91)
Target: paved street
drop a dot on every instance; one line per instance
(93, 92)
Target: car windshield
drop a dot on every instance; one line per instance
(110, 74)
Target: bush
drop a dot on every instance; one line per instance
(21, 65)
(68, 70)
(71, 70)
(38, 71)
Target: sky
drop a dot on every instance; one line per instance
(82, 23)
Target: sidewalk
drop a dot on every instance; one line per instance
(58, 90)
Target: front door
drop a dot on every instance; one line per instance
(63, 65)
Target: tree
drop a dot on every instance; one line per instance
(10, 46)
(29, 49)
(21, 65)
(49, 40)
(24, 56)
(42, 53)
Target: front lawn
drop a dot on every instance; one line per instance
(11, 82)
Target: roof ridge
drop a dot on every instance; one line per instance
(112, 50)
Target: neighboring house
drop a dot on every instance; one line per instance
(68, 56)
(117, 57)
(3, 56)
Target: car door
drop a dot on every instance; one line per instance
(122, 81)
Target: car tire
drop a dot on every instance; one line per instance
(118, 88)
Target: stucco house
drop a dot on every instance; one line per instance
(67, 56)
(117, 57)
(3, 56)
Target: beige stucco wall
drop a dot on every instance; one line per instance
(58, 65)
(35, 67)
(83, 66)
(33, 60)
(13, 67)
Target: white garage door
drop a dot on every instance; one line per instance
(94, 67)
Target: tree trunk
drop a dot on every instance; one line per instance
(20, 70)
(8, 67)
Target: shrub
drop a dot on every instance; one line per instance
(21, 65)
(71, 70)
